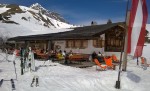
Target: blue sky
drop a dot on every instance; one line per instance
(83, 11)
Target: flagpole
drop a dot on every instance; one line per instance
(117, 86)
(124, 65)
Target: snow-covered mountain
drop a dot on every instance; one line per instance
(35, 13)
(46, 12)
(21, 20)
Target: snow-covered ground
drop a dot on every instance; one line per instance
(66, 78)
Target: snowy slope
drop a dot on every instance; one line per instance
(18, 30)
(21, 20)
(3, 9)
(33, 15)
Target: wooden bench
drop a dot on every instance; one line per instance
(79, 57)
(42, 55)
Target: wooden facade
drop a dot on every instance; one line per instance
(114, 39)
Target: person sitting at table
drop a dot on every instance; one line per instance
(94, 55)
(42, 51)
(99, 54)
(64, 53)
(100, 57)
(51, 55)
(70, 53)
(59, 55)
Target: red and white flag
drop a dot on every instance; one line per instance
(136, 29)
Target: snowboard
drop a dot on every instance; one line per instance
(31, 60)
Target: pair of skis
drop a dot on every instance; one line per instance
(35, 80)
(46, 65)
(12, 83)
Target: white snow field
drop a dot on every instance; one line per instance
(66, 78)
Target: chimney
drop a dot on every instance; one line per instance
(109, 21)
(93, 23)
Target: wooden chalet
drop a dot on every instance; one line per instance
(105, 38)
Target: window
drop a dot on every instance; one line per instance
(76, 43)
(69, 44)
(84, 44)
(103, 43)
(99, 43)
(117, 42)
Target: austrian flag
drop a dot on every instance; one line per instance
(136, 29)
